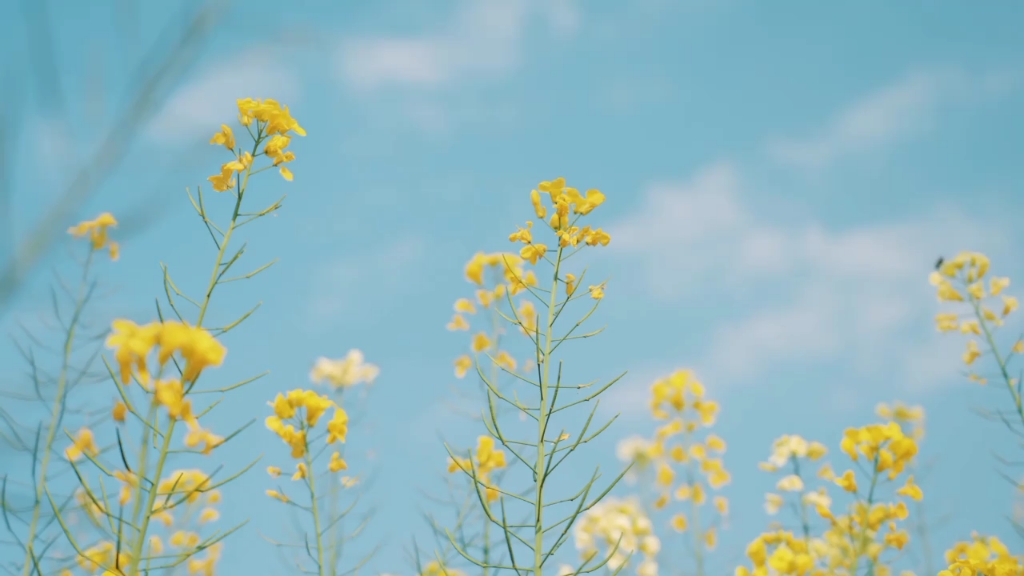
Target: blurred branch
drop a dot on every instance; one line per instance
(158, 73)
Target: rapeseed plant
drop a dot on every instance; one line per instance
(686, 461)
(182, 500)
(978, 310)
(42, 448)
(538, 454)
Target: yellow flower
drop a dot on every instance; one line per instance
(997, 285)
(465, 306)
(773, 503)
(847, 481)
(84, 443)
(458, 323)
(300, 471)
(274, 471)
(119, 412)
(537, 206)
(481, 342)
(597, 292)
(277, 495)
(131, 344)
(96, 229)
(337, 463)
(533, 252)
(911, 490)
(522, 234)
(679, 523)
(1010, 304)
(570, 284)
(462, 365)
(225, 137)
(722, 505)
(972, 353)
(208, 515)
(344, 372)
(337, 428)
(791, 483)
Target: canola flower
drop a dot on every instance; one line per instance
(295, 418)
(344, 372)
(979, 307)
(542, 454)
(983, 555)
(479, 466)
(688, 460)
(856, 540)
(184, 351)
(84, 442)
(624, 531)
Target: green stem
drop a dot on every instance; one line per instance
(1017, 402)
(165, 447)
(315, 506)
(56, 416)
(544, 416)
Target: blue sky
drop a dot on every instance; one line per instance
(780, 180)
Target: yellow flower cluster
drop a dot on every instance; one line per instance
(507, 278)
(564, 200)
(853, 540)
(687, 460)
(622, 529)
(486, 460)
(344, 372)
(962, 280)
(295, 414)
(788, 454)
(984, 555)
(186, 489)
(84, 442)
(96, 229)
(274, 125)
(132, 345)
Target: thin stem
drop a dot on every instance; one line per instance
(56, 415)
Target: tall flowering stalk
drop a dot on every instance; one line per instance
(294, 420)
(980, 308)
(42, 446)
(149, 495)
(341, 376)
(692, 468)
(531, 545)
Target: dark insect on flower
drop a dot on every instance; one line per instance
(938, 263)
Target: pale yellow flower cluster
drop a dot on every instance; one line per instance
(498, 276)
(96, 230)
(621, 530)
(344, 372)
(982, 556)
(962, 280)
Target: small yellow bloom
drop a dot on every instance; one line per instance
(462, 365)
(679, 523)
(791, 483)
(337, 463)
(597, 292)
(911, 490)
(972, 353)
(119, 412)
(481, 342)
(458, 323)
(533, 252)
(570, 284)
(847, 481)
(277, 495)
(225, 137)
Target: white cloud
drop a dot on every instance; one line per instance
(892, 113)
(802, 293)
(483, 38)
(208, 101)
